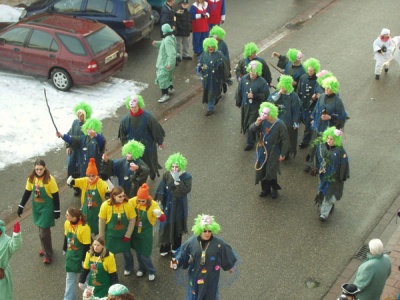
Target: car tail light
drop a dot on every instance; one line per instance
(129, 23)
(92, 67)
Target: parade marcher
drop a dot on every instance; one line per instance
(372, 274)
(328, 111)
(272, 142)
(306, 90)
(167, 15)
(89, 145)
(219, 34)
(205, 255)
(148, 212)
(173, 193)
(200, 14)
(94, 191)
(77, 242)
(349, 292)
(45, 205)
(101, 268)
(250, 54)
(83, 111)
(166, 61)
(183, 31)
(216, 9)
(8, 246)
(116, 222)
(396, 51)
(383, 48)
(140, 125)
(213, 69)
(115, 292)
(321, 76)
(333, 168)
(131, 171)
(291, 64)
(288, 103)
(251, 92)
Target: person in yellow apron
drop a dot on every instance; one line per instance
(45, 205)
(76, 243)
(100, 266)
(148, 211)
(93, 194)
(116, 222)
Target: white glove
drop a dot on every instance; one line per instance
(109, 185)
(81, 286)
(69, 180)
(157, 212)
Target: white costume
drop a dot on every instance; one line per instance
(396, 53)
(383, 58)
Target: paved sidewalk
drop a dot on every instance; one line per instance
(389, 232)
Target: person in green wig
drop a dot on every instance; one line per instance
(213, 69)
(333, 169)
(272, 144)
(205, 255)
(251, 92)
(90, 144)
(173, 193)
(130, 170)
(306, 90)
(83, 111)
(291, 64)
(288, 102)
(250, 54)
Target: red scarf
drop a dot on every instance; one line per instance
(138, 113)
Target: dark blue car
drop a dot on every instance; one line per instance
(131, 19)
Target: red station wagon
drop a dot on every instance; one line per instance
(65, 49)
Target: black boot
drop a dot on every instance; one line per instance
(274, 188)
(265, 189)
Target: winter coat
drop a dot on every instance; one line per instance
(183, 23)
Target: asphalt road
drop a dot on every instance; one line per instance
(281, 243)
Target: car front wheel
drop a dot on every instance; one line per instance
(156, 15)
(61, 79)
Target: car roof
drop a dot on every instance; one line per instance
(64, 23)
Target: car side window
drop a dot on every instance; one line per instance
(68, 5)
(42, 41)
(73, 44)
(15, 36)
(102, 6)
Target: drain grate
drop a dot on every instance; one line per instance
(362, 253)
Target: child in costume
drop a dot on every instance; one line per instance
(383, 48)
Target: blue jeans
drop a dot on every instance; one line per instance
(128, 261)
(145, 264)
(70, 286)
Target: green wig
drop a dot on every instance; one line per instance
(85, 107)
(336, 134)
(285, 81)
(218, 31)
(273, 110)
(312, 63)
(210, 42)
(134, 148)
(293, 54)
(249, 49)
(322, 75)
(256, 66)
(94, 124)
(139, 99)
(332, 83)
(205, 222)
(177, 159)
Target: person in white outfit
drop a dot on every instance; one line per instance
(396, 52)
(383, 49)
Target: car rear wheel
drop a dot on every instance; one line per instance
(61, 79)
(156, 15)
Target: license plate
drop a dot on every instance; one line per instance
(111, 57)
(146, 31)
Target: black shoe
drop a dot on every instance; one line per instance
(224, 88)
(303, 145)
(187, 58)
(377, 77)
(248, 147)
(263, 194)
(307, 169)
(274, 193)
(209, 113)
(152, 176)
(322, 218)
(386, 70)
(313, 171)
(178, 58)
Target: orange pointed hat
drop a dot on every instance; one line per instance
(92, 169)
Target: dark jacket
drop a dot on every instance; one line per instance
(167, 15)
(183, 23)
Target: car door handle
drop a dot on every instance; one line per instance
(52, 56)
(16, 49)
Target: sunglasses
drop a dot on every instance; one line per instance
(206, 231)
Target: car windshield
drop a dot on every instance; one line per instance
(102, 39)
(136, 6)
